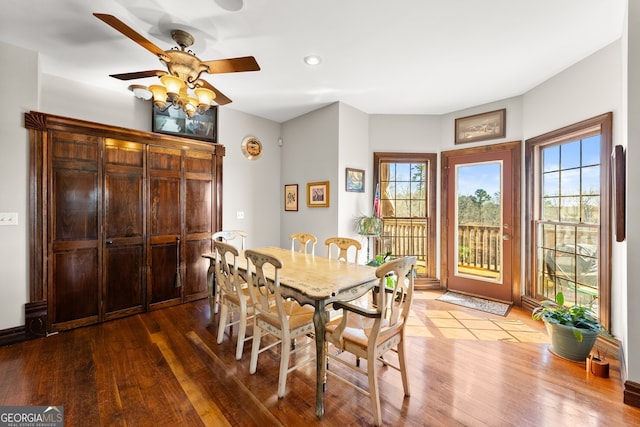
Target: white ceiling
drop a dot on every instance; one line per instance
(381, 57)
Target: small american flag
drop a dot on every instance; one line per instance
(377, 206)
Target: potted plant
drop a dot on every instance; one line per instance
(369, 225)
(573, 329)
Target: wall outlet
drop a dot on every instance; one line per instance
(240, 214)
(8, 218)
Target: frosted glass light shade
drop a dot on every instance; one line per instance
(205, 96)
(159, 95)
(173, 84)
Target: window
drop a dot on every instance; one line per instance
(568, 197)
(405, 185)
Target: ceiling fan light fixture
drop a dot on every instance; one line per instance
(141, 92)
(159, 95)
(174, 86)
(205, 96)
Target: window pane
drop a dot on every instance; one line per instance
(570, 155)
(570, 209)
(590, 209)
(591, 180)
(551, 184)
(551, 159)
(551, 209)
(570, 182)
(591, 151)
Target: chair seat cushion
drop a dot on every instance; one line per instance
(297, 314)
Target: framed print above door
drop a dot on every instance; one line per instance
(481, 127)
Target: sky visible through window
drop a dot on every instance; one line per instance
(485, 176)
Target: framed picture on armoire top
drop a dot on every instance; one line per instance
(174, 121)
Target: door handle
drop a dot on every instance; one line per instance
(506, 237)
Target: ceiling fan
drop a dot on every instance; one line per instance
(183, 71)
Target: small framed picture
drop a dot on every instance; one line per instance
(354, 180)
(481, 127)
(318, 194)
(291, 197)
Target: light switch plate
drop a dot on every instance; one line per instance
(8, 218)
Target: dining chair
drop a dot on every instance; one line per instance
(368, 330)
(343, 245)
(281, 318)
(234, 295)
(222, 236)
(231, 235)
(307, 243)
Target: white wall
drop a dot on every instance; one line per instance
(353, 153)
(632, 266)
(19, 86)
(251, 186)
(310, 154)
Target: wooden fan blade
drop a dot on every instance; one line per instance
(232, 65)
(221, 98)
(129, 32)
(138, 75)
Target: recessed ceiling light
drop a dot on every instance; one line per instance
(312, 60)
(231, 5)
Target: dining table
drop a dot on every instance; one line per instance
(318, 281)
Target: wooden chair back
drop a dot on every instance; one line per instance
(231, 235)
(307, 243)
(343, 245)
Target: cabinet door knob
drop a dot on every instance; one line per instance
(109, 242)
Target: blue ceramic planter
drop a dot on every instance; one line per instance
(565, 344)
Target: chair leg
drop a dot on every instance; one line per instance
(285, 351)
(222, 323)
(373, 389)
(403, 367)
(255, 349)
(242, 330)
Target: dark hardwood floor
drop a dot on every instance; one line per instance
(468, 368)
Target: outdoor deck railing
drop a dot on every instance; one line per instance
(479, 246)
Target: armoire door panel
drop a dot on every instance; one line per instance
(123, 153)
(125, 236)
(168, 160)
(195, 282)
(123, 206)
(75, 204)
(198, 162)
(124, 280)
(77, 283)
(164, 206)
(74, 147)
(198, 218)
(163, 268)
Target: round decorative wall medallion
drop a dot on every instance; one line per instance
(251, 147)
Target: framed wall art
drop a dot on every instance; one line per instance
(291, 197)
(354, 180)
(481, 127)
(318, 194)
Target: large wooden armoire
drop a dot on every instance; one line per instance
(119, 219)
